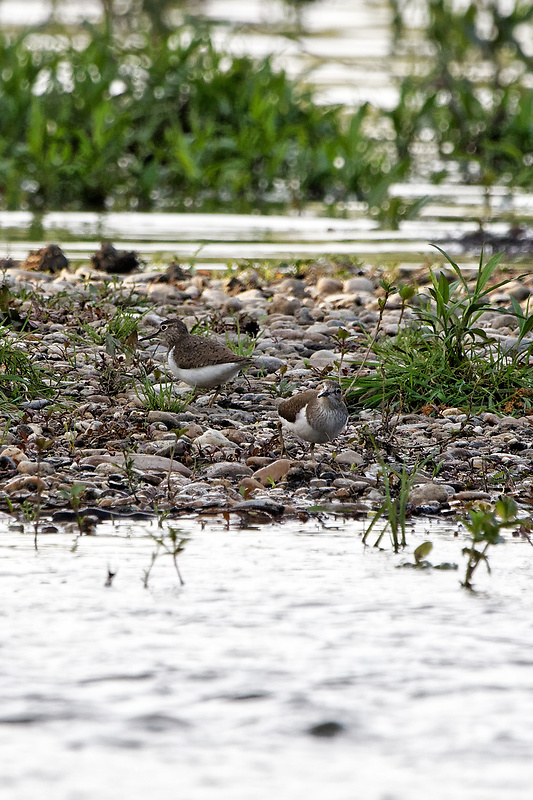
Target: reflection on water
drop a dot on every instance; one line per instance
(205, 238)
(217, 689)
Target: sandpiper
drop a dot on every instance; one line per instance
(316, 416)
(202, 363)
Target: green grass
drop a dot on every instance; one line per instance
(167, 122)
(20, 380)
(162, 397)
(447, 359)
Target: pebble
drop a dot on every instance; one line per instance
(350, 458)
(323, 358)
(428, 493)
(212, 439)
(273, 472)
(228, 469)
(14, 453)
(25, 484)
(140, 462)
(33, 468)
(327, 285)
(234, 446)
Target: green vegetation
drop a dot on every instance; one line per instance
(171, 544)
(397, 485)
(135, 113)
(446, 358)
(468, 94)
(485, 527)
(20, 379)
(162, 397)
(167, 123)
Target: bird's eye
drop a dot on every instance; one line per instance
(163, 327)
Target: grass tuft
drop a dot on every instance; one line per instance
(446, 358)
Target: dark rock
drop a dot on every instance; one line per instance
(48, 259)
(265, 506)
(326, 729)
(113, 261)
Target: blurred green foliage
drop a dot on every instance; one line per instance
(99, 121)
(136, 114)
(469, 93)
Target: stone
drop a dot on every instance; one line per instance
(350, 458)
(322, 358)
(269, 507)
(25, 484)
(212, 439)
(250, 484)
(358, 284)
(471, 495)
(167, 418)
(215, 298)
(14, 453)
(228, 469)
(273, 472)
(293, 286)
(33, 468)
(268, 364)
(428, 493)
(327, 285)
(281, 304)
(141, 461)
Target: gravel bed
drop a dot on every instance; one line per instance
(95, 430)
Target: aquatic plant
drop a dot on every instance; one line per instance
(172, 544)
(397, 484)
(100, 120)
(468, 92)
(485, 527)
(73, 494)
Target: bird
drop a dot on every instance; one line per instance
(196, 360)
(316, 416)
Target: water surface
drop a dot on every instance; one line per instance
(216, 689)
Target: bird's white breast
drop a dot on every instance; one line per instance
(204, 377)
(328, 425)
(303, 429)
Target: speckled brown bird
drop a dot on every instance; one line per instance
(201, 362)
(316, 416)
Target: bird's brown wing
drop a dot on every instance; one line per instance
(289, 409)
(200, 352)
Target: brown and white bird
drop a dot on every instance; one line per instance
(316, 416)
(201, 362)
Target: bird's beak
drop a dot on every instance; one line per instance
(324, 392)
(150, 336)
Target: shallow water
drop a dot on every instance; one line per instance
(213, 241)
(213, 689)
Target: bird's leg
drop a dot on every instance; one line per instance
(215, 395)
(312, 450)
(283, 450)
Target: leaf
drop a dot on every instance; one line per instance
(422, 551)
(110, 345)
